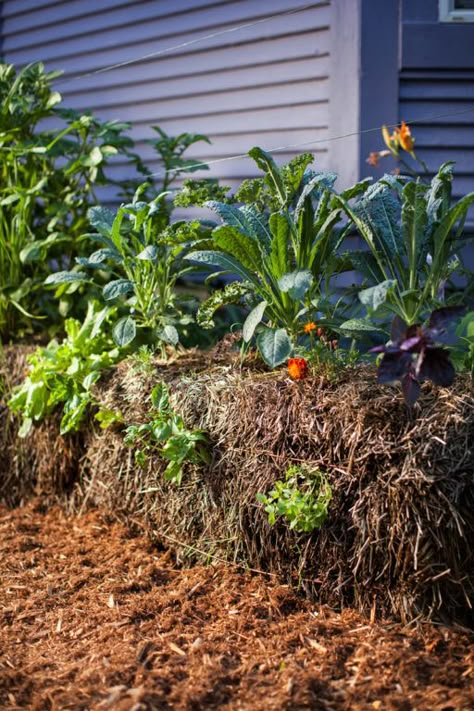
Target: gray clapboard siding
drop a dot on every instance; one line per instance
(262, 84)
(448, 135)
(437, 90)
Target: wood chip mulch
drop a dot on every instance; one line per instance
(93, 617)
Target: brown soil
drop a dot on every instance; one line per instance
(93, 617)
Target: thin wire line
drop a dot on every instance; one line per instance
(302, 143)
(182, 45)
(307, 143)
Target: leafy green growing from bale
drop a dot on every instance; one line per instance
(412, 232)
(166, 434)
(302, 499)
(284, 243)
(141, 261)
(64, 373)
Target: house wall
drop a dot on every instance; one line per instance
(333, 68)
(263, 84)
(437, 80)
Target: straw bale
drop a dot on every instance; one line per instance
(44, 461)
(399, 538)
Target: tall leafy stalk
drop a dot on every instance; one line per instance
(48, 178)
(282, 244)
(412, 231)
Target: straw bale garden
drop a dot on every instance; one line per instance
(236, 452)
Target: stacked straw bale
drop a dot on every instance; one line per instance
(399, 538)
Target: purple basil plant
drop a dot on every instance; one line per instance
(413, 356)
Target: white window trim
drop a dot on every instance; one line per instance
(447, 13)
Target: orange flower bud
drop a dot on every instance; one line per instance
(320, 332)
(297, 368)
(308, 327)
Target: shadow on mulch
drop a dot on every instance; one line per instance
(94, 617)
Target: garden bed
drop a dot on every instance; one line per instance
(95, 617)
(398, 540)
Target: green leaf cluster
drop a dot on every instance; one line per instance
(301, 499)
(48, 178)
(166, 434)
(283, 244)
(413, 233)
(136, 266)
(63, 373)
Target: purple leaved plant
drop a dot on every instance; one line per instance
(412, 355)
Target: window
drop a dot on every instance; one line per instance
(456, 10)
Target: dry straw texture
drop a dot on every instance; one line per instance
(399, 538)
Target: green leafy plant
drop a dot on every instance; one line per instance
(62, 374)
(283, 245)
(136, 266)
(413, 234)
(302, 499)
(166, 434)
(48, 179)
(462, 353)
(171, 150)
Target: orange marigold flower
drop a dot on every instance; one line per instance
(308, 327)
(405, 138)
(297, 368)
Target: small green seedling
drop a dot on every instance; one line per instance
(302, 499)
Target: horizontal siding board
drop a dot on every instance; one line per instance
(441, 112)
(447, 135)
(197, 102)
(436, 89)
(242, 142)
(264, 84)
(130, 43)
(204, 62)
(207, 107)
(141, 20)
(218, 80)
(278, 118)
(96, 14)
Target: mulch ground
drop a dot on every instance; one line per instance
(92, 616)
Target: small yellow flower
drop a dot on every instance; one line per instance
(308, 327)
(391, 141)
